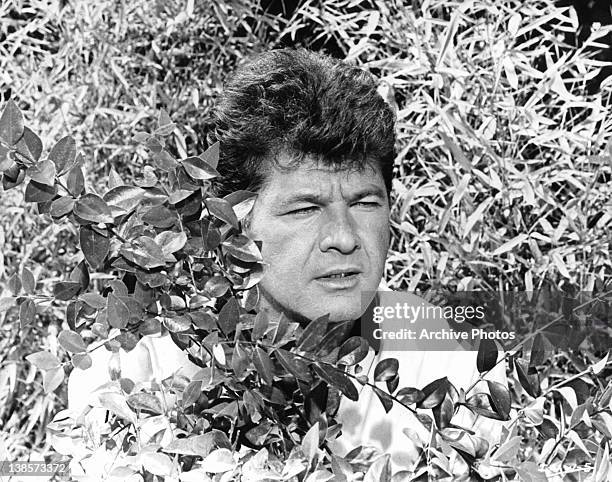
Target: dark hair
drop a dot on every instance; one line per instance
(302, 103)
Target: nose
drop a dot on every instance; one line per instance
(339, 232)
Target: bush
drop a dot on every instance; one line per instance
(503, 183)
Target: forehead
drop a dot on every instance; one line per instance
(287, 178)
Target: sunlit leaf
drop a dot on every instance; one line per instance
(386, 369)
(11, 123)
(43, 360)
(27, 313)
(145, 401)
(352, 351)
(92, 208)
(434, 393)
(63, 154)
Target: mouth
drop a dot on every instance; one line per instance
(340, 279)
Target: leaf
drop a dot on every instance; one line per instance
(165, 161)
(163, 119)
(116, 403)
(352, 351)
(92, 208)
(500, 395)
(596, 367)
(385, 399)
(528, 382)
(409, 395)
(457, 153)
(144, 252)
(242, 248)
(216, 286)
(11, 123)
(334, 337)
(29, 145)
(66, 290)
(197, 168)
(242, 202)
(199, 445)
(280, 329)
(27, 313)
(386, 369)
(487, 355)
(310, 443)
(117, 312)
(380, 470)
(508, 450)
(5, 160)
(295, 367)
(313, 333)
(61, 207)
(125, 197)
(94, 245)
(114, 180)
(260, 326)
(146, 402)
(75, 182)
(192, 392)
(28, 281)
(43, 360)
(63, 154)
(12, 177)
(82, 361)
(52, 379)
(229, 316)
(14, 284)
(511, 244)
(211, 156)
(434, 393)
(240, 361)
(160, 217)
(42, 172)
(263, 365)
(72, 313)
(80, 275)
(37, 192)
(71, 341)
(222, 210)
(334, 377)
(219, 461)
(170, 241)
(157, 464)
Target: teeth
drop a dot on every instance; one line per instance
(341, 275)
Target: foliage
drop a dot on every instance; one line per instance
(503, 183)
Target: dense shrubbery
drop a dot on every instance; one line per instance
(503, 183)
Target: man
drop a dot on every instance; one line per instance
(314, 139)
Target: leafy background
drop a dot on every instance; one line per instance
(503, 172)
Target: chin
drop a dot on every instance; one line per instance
(342, 311)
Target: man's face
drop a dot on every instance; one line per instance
(325, 236)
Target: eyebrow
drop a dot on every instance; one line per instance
(314, 198)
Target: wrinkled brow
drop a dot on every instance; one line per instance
(317, 198)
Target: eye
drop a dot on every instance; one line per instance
(304, 211)
(367, 204)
